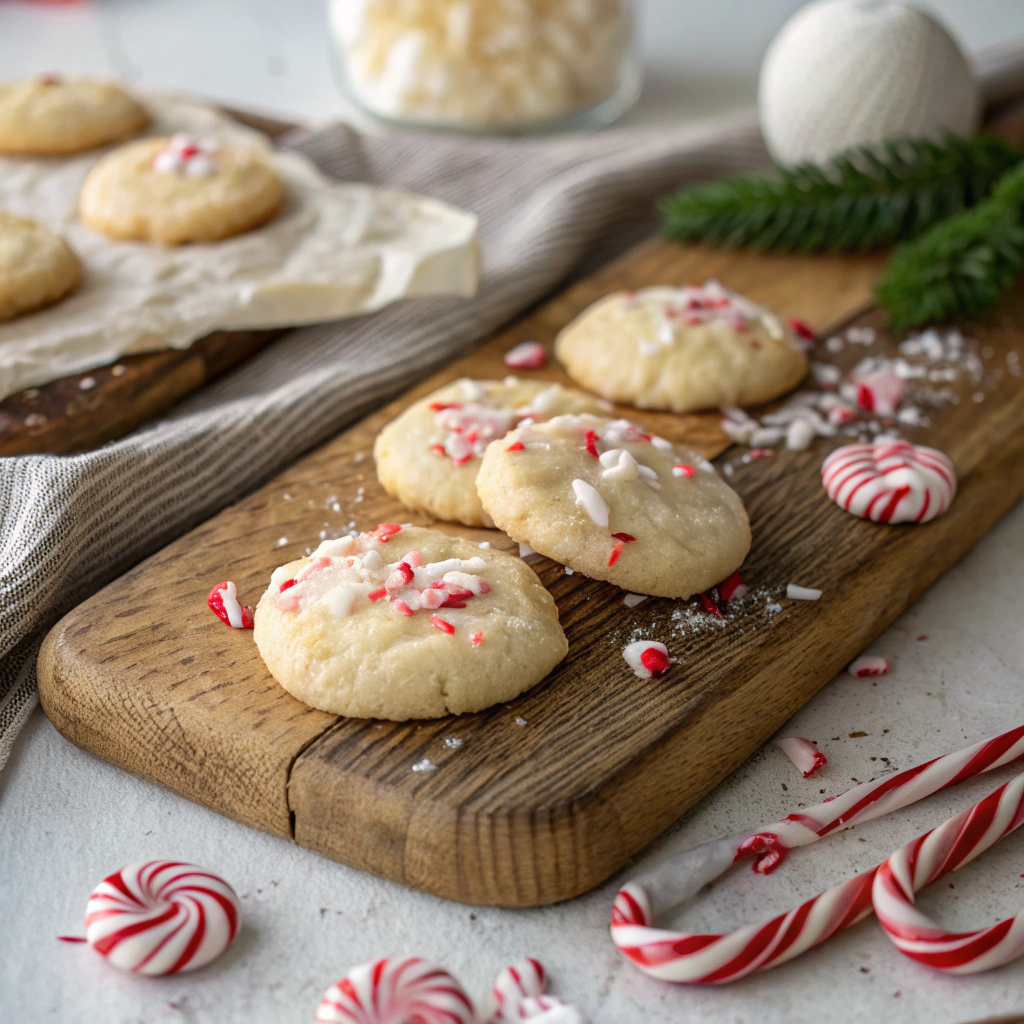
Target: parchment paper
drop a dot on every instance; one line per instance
(335, 250)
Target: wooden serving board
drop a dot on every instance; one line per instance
(64, 416)
(144, 676)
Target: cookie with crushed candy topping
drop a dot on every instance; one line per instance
(682, 349)
(618, 504)
(407, 623)
(179, 190)
(37, 267)
(54, 116)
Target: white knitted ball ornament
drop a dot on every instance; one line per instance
(845, 73)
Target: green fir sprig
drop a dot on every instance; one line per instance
(860, 201)
(960, 267)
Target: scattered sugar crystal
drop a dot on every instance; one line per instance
(485, 544)
(119, 370)
(519, 720)
(632, 600)
(774, 608)
(568, 571)
(835, 344)
(453, 742)
(323, 535)
(525, 550)
(287, 497)
(87, 383)
(425, 765)
(336, 507)
(281, 541)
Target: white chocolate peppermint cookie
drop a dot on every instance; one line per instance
(428, 456)
(681, 349)
(37, 267)
(179, 190)
(407, 623)
(890, 481)
(52, 115)
(606, 499)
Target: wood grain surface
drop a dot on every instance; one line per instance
(143, 675)
(88, 409)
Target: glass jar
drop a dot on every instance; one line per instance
(488, 65)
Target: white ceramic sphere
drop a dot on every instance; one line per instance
(845, 73)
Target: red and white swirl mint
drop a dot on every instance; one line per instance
(890, 481)
(524, 979)
(161, 917)
(396, 990)
(223, 602)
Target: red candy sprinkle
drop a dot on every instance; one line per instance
(529, 355)
(802, 329)
(709, 606)
(866, 398)
(400, 577)
(616, 551)
(476, 639)
(215, 602)
(438, 449)
(655, 661)
(684, 470)
(591, 443)
(287, 585)
(376, 595)
(385, 531)
(401, 606)
(728, 587)
(626, 538)
(442, 624)
(516, 446)
(441, 406)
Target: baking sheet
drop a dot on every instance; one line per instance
(335, 250)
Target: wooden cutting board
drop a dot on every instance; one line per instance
(142, 674)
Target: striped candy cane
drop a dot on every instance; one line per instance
(714, 959)
(925, 860)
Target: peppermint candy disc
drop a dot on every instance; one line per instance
(161, 917)
(891, 481)
(396, 990)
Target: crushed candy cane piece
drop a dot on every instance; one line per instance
(683, 470)
(802, 329)
(728, 587)
(442, 624)
(653, 664)
(632, 600)
(528, 355)
(798, 593)
(880, 392)
(616, 551)
(868, 665)
(803, 753)
(476, 639)
(593, 504)
(424, 765)
(516, 446)
(402, 607)
(223, 602)
(590, 443)
(709, 605)
(626, 538)
(385, 531)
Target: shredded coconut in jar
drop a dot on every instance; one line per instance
(482, 63)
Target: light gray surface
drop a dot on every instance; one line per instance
(68, 819)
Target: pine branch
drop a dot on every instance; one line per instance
(961, 267)
(860, 201)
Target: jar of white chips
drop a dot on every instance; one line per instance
(488, 65)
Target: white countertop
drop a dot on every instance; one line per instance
(67, 819)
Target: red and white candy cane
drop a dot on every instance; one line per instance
(929, 857)
(524, 979)
(714, 959)
(161, 917)
(396, 990)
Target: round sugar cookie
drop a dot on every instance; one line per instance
(37, 267)
(428, 456)
(681, 349)
(52, 116)
(615, 503)
(407, 623)
(179, 190)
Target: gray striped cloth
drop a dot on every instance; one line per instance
(71, 524)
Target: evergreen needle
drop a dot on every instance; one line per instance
(862, 200)
(962, 266)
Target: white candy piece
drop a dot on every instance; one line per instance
(633, 653)
(868, 666)
(798, 593)
(593, 504)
